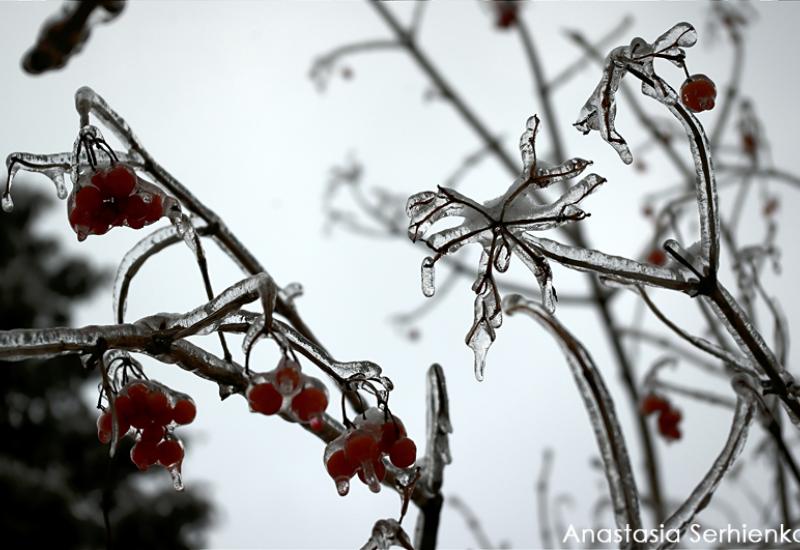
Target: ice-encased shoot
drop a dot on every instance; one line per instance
(499, 225)
(600, 110)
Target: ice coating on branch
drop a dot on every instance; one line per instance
(344, 369)
(600, 109)
(599, 406)
(54, 166)
(619, 269)
(438, 430)
(499, 226)
(701, 496)
(258, 287)
(21, 344)
(386, 534)
(734, 311)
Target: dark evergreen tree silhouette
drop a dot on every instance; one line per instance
(58, 483)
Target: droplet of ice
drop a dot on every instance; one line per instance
(8, 202)
(342, 486)
(369, 475)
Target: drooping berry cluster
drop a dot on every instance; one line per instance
(152, 411)
(375, 434)
(286, 389)
(113, 198)
(669, 417)
(698, 93)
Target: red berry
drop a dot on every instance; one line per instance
(118, 182)
(153, 433)
(403, 453)
(287, 379)
(170, 452)
(138, 393)
(159, 410)
(139, 417)
(339, 467)
(653, 403)
(391, 431)
(771, 206)
(361, 447)
(506, 14)
(99, 180)
(80, 217)
(135, 210)
(88, 199)
(377, 467)
(698, 93)
(749, 144)
(657, 257)
(144, 454)
(264, 398)
(104, 423)
(102, 219)
(309, 403)
(668, 424)
(316, 423)
(184, 411)
(124, 406)
(155, 209)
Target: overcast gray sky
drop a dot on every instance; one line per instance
(220, 94)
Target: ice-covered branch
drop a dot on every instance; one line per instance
(600, 110)
(701, 496)
(437, 456)
(88, 102)
(601, 410)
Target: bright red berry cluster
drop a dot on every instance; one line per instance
(698, 93)
(669, 417)
(361, 450)
(113, 198)
(287, 389)
(152, 411)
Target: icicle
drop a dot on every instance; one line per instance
(53, 166)
(177, 477)
(428, 277)
(502, 257)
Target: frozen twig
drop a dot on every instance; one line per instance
(437, 456)
(599, 406)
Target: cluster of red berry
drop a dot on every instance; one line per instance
(286, 389)
(153, 411)
(361, 449)
(698, 93)
(114, 198)
(668, 416)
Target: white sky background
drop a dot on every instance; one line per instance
(220, 95)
